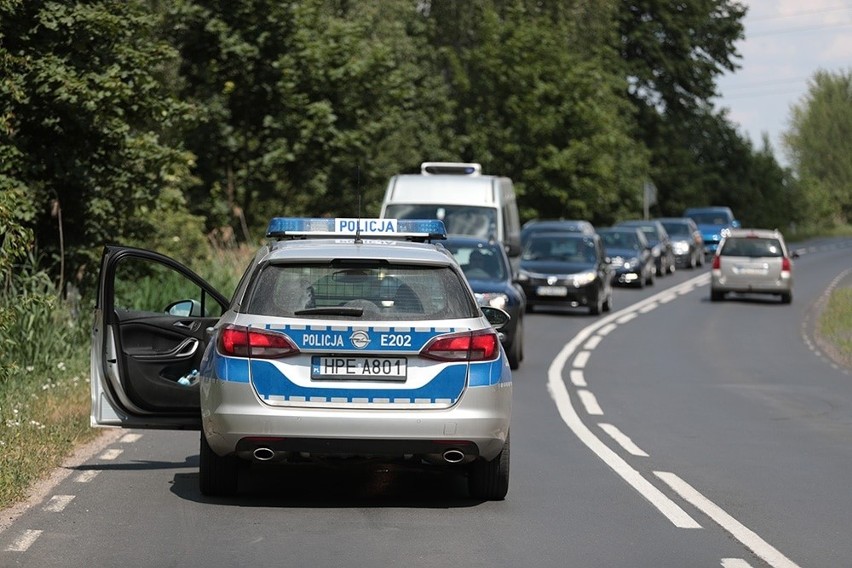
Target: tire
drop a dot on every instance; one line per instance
(787, 298)
(516, 352)
(596, 308)
(650, 279)
(217, 476)
(489, 481)
(716, 296)
(672, 267)
(607, 306)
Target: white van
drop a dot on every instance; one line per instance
(468, 202)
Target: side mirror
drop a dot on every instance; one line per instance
(184, 308)
(495, 316)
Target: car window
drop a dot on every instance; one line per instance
(676, 228)
(752, 247)
(381, 291)
(458, 219)
(144, 285)
(480, 263)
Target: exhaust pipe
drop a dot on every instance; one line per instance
(453, 456)
(263, 454)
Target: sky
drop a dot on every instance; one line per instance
(786, 43)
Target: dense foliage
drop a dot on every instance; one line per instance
(170, 124)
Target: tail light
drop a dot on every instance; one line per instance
(482, 345)
(717, 262)
(240, 341)
(786, 265)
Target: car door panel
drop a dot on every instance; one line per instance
(140, 350)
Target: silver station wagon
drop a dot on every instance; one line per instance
(345, 338)
(752, 261)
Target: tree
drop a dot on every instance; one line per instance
(85, 125)
(819, 146)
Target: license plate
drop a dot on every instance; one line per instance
(552, 291)
(359, 368)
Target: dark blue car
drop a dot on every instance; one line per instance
(714, 223)
(488, 271)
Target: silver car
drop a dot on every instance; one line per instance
(345, 338)
(752, 261)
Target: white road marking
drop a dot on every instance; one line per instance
(590, 402)
(559, 393)
(667, 298)
(577, 378)
(130, 438)
(24, 541)
(649, 308)
(87, 476)
(735, 563)
(627, 317)
(58, 503)
(110, 454)
(623, 440)
(593, 342)
(581, 359)
(746, 536)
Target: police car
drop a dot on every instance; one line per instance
(344, 338)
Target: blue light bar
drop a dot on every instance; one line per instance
(350, 227)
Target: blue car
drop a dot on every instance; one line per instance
(489, 274)
(714, 223)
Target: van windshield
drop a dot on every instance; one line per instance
(458, 219)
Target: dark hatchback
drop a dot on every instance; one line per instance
(630, 254)
(566, 269)
(661, 244)
(487, 269)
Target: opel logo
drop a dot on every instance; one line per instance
(360, 339)
(551, 280)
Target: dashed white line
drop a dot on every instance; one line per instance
(110, 455)
(735, 563)
(746, 536)
(649, 307)
(593, 342)
(130, 438)
(606, 329)
(58, 503)
(581, 359)
(87, 476)
(667, 298)
(627, 317)
(590, 402)
(623, 440)
(577, 378)
(23, 542)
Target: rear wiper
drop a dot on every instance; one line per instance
(330, 311)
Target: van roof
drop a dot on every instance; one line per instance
(447, 189)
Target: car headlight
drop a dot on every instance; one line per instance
(493, 299)
(631, 263)
(583, 278)
(656, 250)
(523, 276)
(725, 232)
(680, 247)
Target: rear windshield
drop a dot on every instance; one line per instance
(625, 240)
(752, 247)
(710, 218)
(676, 228)
(458, 219)
(374, 291)
(480, 263)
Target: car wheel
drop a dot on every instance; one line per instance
(607, 306)
(650, 279)
(217, 476)
(489, 480)
(596, 308)
(716, 296)
(786, 298)
(515, 353)
(672, 267)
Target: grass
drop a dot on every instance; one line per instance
(834, 327)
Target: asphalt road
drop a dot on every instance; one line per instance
(671, 432)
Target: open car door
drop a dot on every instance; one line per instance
(149, 335)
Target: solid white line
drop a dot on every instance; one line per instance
(581, 359)
(57, 503)
(87, 476)
(24, 541)
(577, 378)
(130, 438)
(593, 342)
(623, 440)
(746, 536)
(110, 454)
(559, 393)
(590, 402)
(735, 563)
